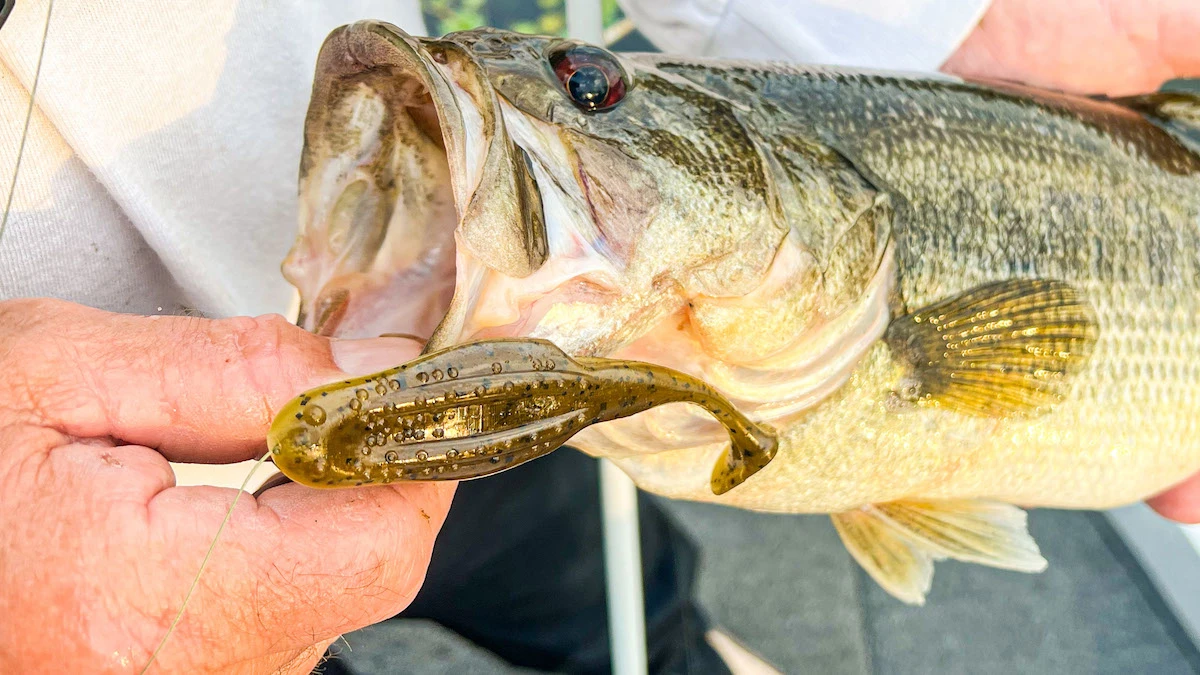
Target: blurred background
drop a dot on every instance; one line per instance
(544, 17)
(785, 588)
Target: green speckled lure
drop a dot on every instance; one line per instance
(483, 407)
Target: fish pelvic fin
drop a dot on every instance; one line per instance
(1001, 349)
(897, 564)
(898, 542)
(1175, 111)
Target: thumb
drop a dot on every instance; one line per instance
(198, 390)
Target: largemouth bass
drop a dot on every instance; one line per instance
(947, 298)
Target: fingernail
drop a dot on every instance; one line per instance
(363, 357)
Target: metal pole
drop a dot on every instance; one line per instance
(623, 571)
(585, 21)
(618, 496)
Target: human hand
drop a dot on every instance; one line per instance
(97, 544)
(1087, 46)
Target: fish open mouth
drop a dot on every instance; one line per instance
(409, 188)
(375, 252)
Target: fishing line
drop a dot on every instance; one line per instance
(37, 76)
(204, 563)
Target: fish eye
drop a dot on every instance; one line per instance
(591, 77)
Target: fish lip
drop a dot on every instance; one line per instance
(363, 45)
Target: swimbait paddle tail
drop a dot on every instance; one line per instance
(483, 407)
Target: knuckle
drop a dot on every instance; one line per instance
(270, 358)
(22, 316)
(258, 339)
(35, 356)
(275, 350)
(262, 337)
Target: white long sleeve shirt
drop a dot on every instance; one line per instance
(917, 35)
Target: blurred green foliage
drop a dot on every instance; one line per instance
(544, 17)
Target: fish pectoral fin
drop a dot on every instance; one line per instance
(1006, 348)
(1176, 112)
(897, 542)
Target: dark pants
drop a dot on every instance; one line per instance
(519, 570)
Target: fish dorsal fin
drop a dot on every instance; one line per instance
(897, 542)
(1176, 112)
(1000, 349)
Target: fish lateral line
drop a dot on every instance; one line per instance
(476, 409)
